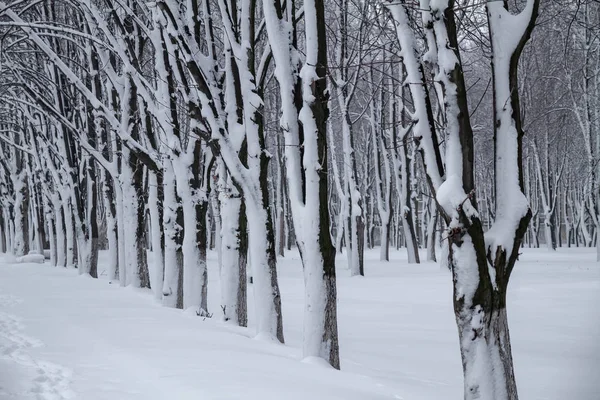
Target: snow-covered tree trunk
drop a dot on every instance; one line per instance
(193, 269)
(431, 231)
(567, 217)
(383, 181)
(405, 193)
(342, 224)
(3, 246)
(234, 255)
(50, 225)
(132, 192)
(10, 230)
(281, 199)
(61, 245)
(481, 315)
(345, 84)
(307, 171)
(248, 165)
(111, 225)
(155, 206)
(192, 187)
(92, 219)
(400, 140)
(216, 213)
(481, 266)
(547, 184)
(173, 228)
(37, 210)
(130, 199)
(141, 274)
(21, 241)
(121, 272)
(71, 254)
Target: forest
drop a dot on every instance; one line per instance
(159, 132)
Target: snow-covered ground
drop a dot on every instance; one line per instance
(68, 337)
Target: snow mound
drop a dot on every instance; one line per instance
(31, 258)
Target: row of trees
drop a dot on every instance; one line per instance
(181, 125)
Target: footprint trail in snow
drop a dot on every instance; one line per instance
(50, 381)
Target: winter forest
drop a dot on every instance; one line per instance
(354, 179)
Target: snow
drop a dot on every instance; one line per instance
(465, 270)
(452, 197)
(31, 258)
(67, 338)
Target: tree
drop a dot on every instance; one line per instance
(304, 121)
(481, 263)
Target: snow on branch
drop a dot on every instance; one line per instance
(508, 34)
(423, 129)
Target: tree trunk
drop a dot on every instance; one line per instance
(173, 228)
(21, 245)
(93, 220)
(155, 205)
(3, 246)
(51, 226)
(61, 243)
(69, 231)
(110, 211)
(431, 232)
(234, 250)
(412, 246)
